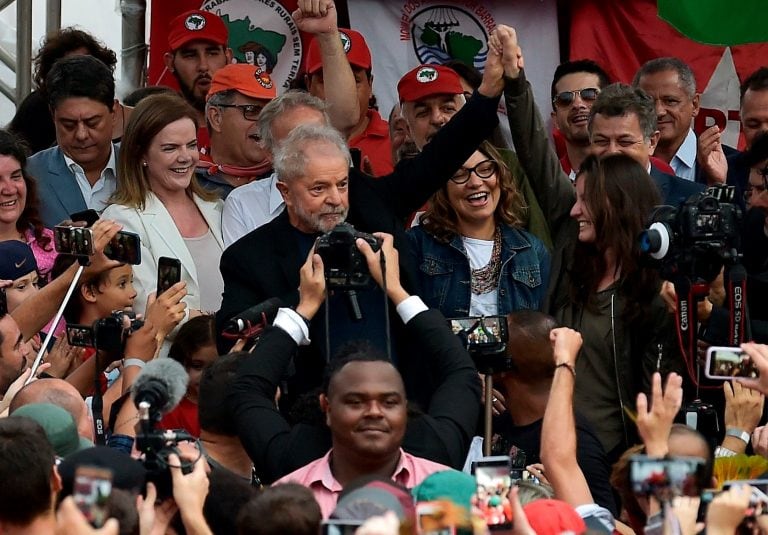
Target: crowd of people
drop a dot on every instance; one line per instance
(359, 403)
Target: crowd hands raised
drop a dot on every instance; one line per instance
(304, 423)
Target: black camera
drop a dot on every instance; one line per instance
(106, 334)
(345, 266)
(697, 238)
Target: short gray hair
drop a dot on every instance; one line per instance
(617, 100)
(683, 70)
(287, 101)
(290, 159)
(222, 97)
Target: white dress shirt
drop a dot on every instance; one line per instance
(249, 207)
(684, 160)
(96, 196)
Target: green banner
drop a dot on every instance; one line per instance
(717, 22)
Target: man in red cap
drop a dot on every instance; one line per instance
(197, 43)
(429, 95)
(371, 133)
(235, 156)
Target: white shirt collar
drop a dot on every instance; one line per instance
(686, 154)
(74, 166)
(275, 197)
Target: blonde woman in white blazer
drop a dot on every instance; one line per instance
(158, 198)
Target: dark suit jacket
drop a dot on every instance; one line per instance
(674, 190)
(277, 448)
(57, 186)
(265, 263)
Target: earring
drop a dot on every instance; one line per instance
(144, 164)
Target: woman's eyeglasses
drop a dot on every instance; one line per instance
(485, 169)
(566, 98)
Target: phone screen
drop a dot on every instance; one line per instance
(729, 362)
(76, 241)
(124, 247)
(91, 491)
(480, 331)
(493, 480)
(80, 335)
(168, 273)
(667, 478)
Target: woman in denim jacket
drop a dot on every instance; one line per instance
(474, 259)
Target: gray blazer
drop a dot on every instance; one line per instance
(57, 186)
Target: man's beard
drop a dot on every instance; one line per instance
(317, 222)
(189, 93)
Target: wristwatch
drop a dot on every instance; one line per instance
(738, 433)
(720, 451)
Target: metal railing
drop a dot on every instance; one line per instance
(22, 64)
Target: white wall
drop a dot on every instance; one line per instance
(100, 18)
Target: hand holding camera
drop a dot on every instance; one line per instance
(394, 289)
(311, 285)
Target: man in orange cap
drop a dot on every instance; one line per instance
(197, 44)
(371, 133)
(236, 156)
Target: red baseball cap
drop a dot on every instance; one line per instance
(358, 53)
(197, 25)
(428, 80)
(243, 78)
(552, 517)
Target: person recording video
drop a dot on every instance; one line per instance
(441, 435)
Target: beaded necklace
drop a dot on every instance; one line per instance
(486, 278)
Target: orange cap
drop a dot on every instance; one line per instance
(197, 25)
(245, 79)
(358, 53)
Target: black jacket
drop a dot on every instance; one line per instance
(442, 434)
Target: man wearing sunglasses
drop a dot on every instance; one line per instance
(235, 156)
(575, 87)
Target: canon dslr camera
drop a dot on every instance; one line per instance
(345, 266)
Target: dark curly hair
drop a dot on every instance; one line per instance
(440, 218)
(13, 146)
(619, 194)
(63, 42)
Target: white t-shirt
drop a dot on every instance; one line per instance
(479, 252)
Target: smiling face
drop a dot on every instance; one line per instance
(13, 190)
(21, 289)
(366, 409)
(581, 213)
(235, 139)
(171, 157)
(476, 199)
(84, 131)
(622, 135)
(572, 119)
(675, 108)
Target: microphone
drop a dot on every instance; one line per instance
(256, 316)
(162, 383)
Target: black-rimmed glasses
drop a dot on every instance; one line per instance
(250, 112)
(566, 98)
(485, 169)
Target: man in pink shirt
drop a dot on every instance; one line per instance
(365, 406)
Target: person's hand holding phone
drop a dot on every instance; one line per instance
(759, 355)
(142, 344)
(102, 231)
(167, 310)
(727, 510)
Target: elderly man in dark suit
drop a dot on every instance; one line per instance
(80, 172)
(265, 263)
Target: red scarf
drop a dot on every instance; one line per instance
(213, 168)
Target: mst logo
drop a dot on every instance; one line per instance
(263, 34)
(442, 33)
